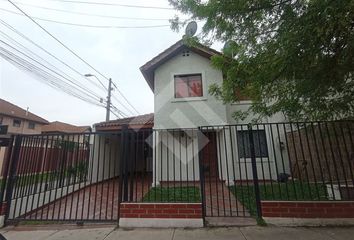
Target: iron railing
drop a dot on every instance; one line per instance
(230, 169)
(305, 161)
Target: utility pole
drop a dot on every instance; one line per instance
(108, 107)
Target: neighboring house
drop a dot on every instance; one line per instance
(19, 121)
(60, 127)
(72, 133)
(179, 78)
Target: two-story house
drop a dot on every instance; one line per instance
(179, 78)
(19, 121)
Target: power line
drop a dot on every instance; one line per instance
(49, 78)
(56, 39)
(23, 47)
(92, 14)
(127, 109)
(113, 4)
(44, 75)
(67, 77)
(115, 114)
(74, 53)
(118, 111)
(47, 52)
(74, 85)
(86, 25)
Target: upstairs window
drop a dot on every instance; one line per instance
(31, 125)
(16, 123)
(241, 97)
(188, 86)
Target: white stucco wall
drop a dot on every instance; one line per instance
(190, 112)
(104, 158)
(233, 168)
(175, 156)
(207, 111)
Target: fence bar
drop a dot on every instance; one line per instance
(201, 173)
(12, 177)
(254, 172)
(230, 169)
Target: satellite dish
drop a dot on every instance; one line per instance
(227, 49)
(228, 44)
(191, 29)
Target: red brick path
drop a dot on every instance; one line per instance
(95, 202)
(100, 202)
(220, 202)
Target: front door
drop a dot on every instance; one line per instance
(210, 157)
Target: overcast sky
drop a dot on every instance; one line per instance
(117, 53)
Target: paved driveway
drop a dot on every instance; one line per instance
(110, 233)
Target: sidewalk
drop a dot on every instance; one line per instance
(243, 233)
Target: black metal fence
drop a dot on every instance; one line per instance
(59, 177)
(229, 168)
(172, 170)
(307, 161)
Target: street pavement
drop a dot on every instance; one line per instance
(235, 233)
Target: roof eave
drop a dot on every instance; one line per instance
(27, 119)
(148, 69)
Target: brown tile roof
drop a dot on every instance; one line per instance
(148, 68)
(60, 127)
(141, 121)
(11, 110)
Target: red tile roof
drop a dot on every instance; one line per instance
(60, 127)
(11, 110)
(141, 121)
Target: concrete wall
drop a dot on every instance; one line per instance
(233, 168)
(187, 112)
(104, 157)
(207, 111)
(175, 156)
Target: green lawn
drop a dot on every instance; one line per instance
(290, 191)
(173, 194)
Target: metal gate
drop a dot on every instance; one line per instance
(227, 181)
(63, 177)
(296, 161)
(229, 168)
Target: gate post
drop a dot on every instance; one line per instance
(121, 165)
(124, 164)
(5, 175)
(201, 172)
(254, 172)
(12, 171)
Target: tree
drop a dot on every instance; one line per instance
(290, 56)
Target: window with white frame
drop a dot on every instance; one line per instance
(188, 85)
